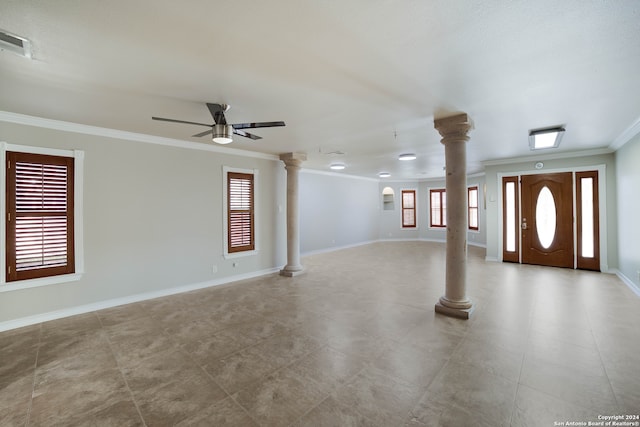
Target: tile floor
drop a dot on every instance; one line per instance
(353, 342)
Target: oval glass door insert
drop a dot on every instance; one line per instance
(546, 217)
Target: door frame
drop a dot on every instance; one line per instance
(602, 204)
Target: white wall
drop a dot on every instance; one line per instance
(628, 185)
(336, 211)
(152, 220)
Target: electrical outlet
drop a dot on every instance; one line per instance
(235, 264)
(214, 269)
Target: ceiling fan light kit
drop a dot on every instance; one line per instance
(221, 132)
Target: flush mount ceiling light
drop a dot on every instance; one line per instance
(222, 134)
(337, 166)
(540, 139)
(15, 44)
(384, 174)
(407, 156)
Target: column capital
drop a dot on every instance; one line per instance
(453, 128)
(293, 159)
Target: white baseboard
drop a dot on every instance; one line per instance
(101, 305)
(634, 288)
(336, 248)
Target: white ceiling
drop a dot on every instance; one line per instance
(344, 75)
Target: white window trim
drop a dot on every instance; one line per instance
(415, 203)
(78, 170)
(256, 204)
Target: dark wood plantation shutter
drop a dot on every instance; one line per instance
(408, 208)
(39, 216)
(240, 212)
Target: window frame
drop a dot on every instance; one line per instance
(470, 188)
(78, 235)
(443, 209)
(414, 209)
(227, 253)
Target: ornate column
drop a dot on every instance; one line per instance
(292, 163)
(454, 138)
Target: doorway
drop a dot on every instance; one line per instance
(538, 219)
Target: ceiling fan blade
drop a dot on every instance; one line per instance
(246, 134)
(180, 121)
(257, 125)
(217, 112)
(208, 132)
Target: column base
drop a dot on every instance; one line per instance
(292, 271)
(460, 313)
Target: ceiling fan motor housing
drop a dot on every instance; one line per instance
(222, 134)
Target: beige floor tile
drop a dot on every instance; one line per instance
(57, 402)
(534, 408)
(169, 388)
(462, 393)
(15, 399)
(379, 397)
(585, 387)
(280, 398)
(330, 413)
(240, 369)
(216, 346)
(359, 325)
(411, 364)
(477, 353)
(328, 367)
(224, 413)
(281, 350)
(121, 313)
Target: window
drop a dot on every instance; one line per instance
(472, 204)
(408, 208)
(511, 219)
(39, 216)
(240, 212)
(438, 213)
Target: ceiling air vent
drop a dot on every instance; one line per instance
(15, 44)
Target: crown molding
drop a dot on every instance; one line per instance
(338, 174)
(626, 136)
(23, 119)
(548, 156)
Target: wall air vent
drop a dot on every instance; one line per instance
(15, 44)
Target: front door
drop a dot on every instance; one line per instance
(547, 219)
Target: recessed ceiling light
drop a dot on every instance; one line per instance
(540, 139)
(384, 174)
(337, 166)
(407, 156)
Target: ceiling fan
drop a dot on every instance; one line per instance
(221, 131)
